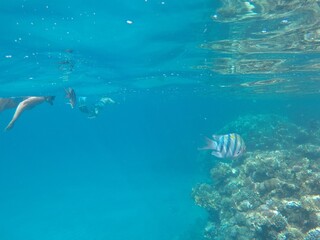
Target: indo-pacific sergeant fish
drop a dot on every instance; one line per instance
(226, 146)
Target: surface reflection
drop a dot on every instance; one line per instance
(279, 38)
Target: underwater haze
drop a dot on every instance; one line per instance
(151, 80)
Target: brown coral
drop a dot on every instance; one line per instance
(268, 195)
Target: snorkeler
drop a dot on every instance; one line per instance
(71, 95)
(11, 102)
(27, 104)
(93, 109)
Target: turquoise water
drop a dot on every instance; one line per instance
(176, 71)
(126, 174)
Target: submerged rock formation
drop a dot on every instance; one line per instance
(267, 132)
(272, 192)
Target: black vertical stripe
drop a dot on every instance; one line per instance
(228, 143)
(236, 136)
(221, 143)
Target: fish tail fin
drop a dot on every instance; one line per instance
(210, 144)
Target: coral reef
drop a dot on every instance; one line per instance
(272, 192)
(267, 132)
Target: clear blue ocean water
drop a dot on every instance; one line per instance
(128, 173)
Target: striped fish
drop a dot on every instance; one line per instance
(226, 146)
